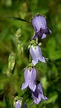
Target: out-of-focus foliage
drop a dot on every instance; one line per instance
(10, 45)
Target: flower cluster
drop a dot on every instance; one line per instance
(41, 30)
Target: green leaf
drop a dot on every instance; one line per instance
(52, 98)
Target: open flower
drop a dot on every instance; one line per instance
(30, 79)
(40, 26)
(36, 54)
(38, 95)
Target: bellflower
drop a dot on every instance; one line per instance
(18, 104)
(40, 26)
(36, 54)
(38, 95)
(30, 79)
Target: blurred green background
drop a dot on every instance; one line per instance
(14, 55)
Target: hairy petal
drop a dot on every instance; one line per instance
(30, 79)
(18, 104)
(33, 53)
(32, 83)
(40, 26)
(36, 54)
(25, 84)
(39, 54)
(39, 22)
(41, 92)
(43, 36)
(38, 95)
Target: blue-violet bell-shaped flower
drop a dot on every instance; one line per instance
(36, 54)
(18, 104)
(40, 26)
(30, 79)
(38, 95)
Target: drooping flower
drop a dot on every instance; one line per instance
(40, 26)
(18, 104)
(36, 54)
(30, 79)
(38, 95)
